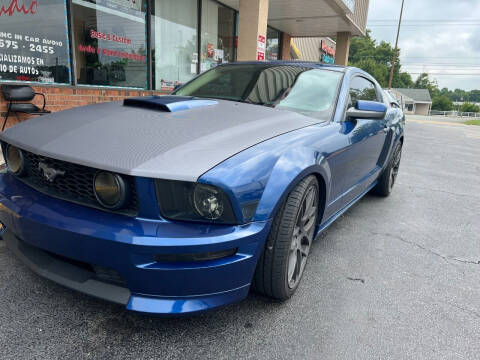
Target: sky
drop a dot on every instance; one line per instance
(437, 36)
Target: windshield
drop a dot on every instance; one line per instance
(312, 92)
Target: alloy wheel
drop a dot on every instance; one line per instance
(302, 236)
(395, 167)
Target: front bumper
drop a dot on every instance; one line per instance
(64, 242)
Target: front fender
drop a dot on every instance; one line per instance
(259, 178)
(290, 169)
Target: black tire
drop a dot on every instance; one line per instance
(272, 277)
(389, 176)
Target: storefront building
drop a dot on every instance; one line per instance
(318, 49)
(79, 52)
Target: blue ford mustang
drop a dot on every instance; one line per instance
(182, 203)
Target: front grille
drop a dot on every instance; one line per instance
(76, 185)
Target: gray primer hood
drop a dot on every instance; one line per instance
(148, 143)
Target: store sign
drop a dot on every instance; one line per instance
(13, 7)
(105, 51)
(210, 50)
(261, 41)
(327, 59)
(36, 52)
(328, 49)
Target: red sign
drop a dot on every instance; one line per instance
(261, 47)
(328, 49)
(14, 8)
(210, 50)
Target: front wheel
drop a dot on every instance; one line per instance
(389, 176)
(283, 261)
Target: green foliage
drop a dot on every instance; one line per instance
(424, 82)
(376, 59)
(442, 103)
(459, 95)
(379, 71)
(473, 122)
(468, 107)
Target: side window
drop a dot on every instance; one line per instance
(362, 89)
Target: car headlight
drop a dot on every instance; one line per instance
(110, 190)
(181, 200)
(14, 159)
(208, 202)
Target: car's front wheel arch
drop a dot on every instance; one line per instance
(299, 178)
(271, 270)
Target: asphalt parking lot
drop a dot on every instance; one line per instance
(395, 278)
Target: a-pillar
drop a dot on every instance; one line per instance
(252, 23)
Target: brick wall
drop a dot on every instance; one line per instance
(62, 98)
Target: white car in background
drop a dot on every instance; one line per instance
(393, 102)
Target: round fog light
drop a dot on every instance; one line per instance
(110, 190)
(208, 202)
(14, 159)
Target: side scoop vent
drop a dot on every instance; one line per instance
(168, 103)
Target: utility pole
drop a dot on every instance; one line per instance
(396, 48)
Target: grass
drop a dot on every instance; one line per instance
(473, 122)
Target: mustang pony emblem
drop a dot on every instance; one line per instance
(49, 173)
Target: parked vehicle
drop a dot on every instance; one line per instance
(394, 104)
(392, 99)
(182, 203)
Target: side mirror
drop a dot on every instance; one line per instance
(367, 110)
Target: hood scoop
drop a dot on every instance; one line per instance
(168, 103)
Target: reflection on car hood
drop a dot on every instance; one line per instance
(149, 143)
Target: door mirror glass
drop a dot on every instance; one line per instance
(367, 110)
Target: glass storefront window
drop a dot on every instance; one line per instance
(218, 30)
(273, 44)
(174, 42)
(34, 42)
(110, 42)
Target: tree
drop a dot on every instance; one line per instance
(376, 59)
(379, 71)
(424, 82)
(474, 96)
(442, 103)
(468, 107)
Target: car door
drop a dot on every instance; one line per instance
(365, 138)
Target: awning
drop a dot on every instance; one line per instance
(315, 17)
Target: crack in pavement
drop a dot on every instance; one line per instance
(469, 311)
(444, 257)
(356, 279)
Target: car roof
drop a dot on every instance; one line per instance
(309, 64)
